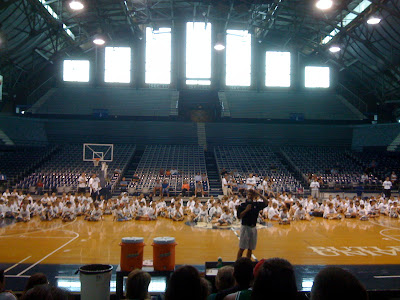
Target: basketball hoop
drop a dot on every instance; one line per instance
(96, 161)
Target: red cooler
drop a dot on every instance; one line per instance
(132, 253)
(164, 253)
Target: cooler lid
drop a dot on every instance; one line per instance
(132, 240)
(164, 240)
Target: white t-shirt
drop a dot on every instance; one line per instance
(82, 182)
(272, 212)
(197, 178)
(300, 213)
(251, 182)
(224, 182)
(314, 185)
(94, 184)
(387, 185)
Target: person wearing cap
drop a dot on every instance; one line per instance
(248, 214)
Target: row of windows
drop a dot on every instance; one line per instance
(198, 61)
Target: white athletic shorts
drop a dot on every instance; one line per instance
(248, 237)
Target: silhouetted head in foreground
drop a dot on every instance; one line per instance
(336, 283)
(275, 279)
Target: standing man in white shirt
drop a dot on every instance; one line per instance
(94, 185)
(225, 185)
(387, 186)
(314, 186)
(251, 182)
(82, 183)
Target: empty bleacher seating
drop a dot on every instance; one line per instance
(16, 162)
(116, 101)
(278, 105)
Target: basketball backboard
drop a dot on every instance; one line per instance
(103, 152)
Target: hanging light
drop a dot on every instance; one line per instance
(99, 41)
(324, 4)
(373, 20)
(220, 42)
(219, 46)
(334, 48)
(76, 5)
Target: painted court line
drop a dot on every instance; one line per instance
(51, 253)
(234, 231)
(388, 276)
(13, 266)
(16, 276)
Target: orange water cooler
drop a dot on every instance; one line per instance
(132, 253)
(164, 253)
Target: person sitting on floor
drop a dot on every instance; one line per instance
(141, 211)
(362, 213)
(151, 212)
(394, 210)
(273, 213)
(68, 213)
(351, 211)
(330, 213)
(9, 210)
(96, 214)
(301, 214)
(225, 219)
(24, 214)
(202, 216)
(284, 217)
(178, 213)
(119, 215)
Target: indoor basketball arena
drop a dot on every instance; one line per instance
(177, 149)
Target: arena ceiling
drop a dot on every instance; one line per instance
(369, 63)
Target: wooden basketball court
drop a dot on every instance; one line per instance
(322, 242)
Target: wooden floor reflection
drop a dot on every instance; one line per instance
(303, 243)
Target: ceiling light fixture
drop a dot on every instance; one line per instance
(324, 4)
(219, 47)
(373, 20)
(334, 48)
(99, 41)
(76, 5)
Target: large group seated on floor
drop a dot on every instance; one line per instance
(282, 208)
(272, 278)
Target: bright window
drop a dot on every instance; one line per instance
(117, 64)
(76, 70)
(238, 58)
(198, 53)
(317, 77)
(158, 56)
(277, 69)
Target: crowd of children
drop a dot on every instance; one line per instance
(282, 208)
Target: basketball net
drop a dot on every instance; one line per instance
(96, 162)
